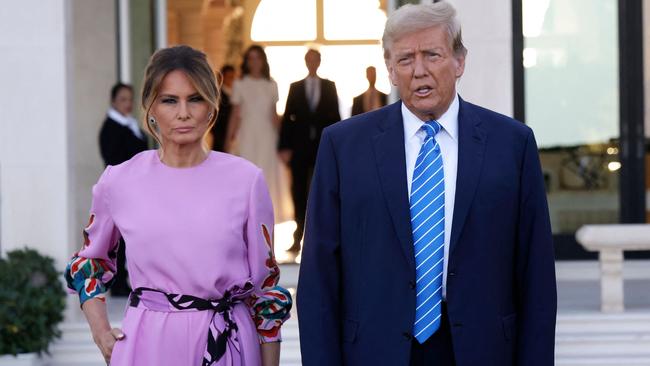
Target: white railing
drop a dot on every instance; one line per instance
(610, 241)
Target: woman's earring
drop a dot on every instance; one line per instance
(152, 120)
(210, 116)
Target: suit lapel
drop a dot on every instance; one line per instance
(471, 149)
(322, 93)
(388, 146)
(302, 92)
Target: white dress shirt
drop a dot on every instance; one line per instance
(312, 88)
(126, 121)
(447, 138)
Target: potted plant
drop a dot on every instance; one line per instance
(32, 301)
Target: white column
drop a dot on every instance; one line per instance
(646, 70)
(124, 21)
(393, 96)
(35, 103)
(161, 24)
(58, 64)
(487, 34)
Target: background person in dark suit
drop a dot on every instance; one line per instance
(121, 136)
(220, 128)
(372, 98)
(119, 140)
(428, 239)
(312, 104)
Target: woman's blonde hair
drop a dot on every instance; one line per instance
(194, 64)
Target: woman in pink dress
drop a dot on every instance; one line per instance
(198, 226)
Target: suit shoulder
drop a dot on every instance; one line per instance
(329, 82)
(110, 125)
(360, 124)
(496, 121)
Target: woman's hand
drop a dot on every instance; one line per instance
(275, 120)
(105, 341)
(103, 335)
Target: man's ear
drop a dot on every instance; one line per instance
(391, 73)
(460, 65)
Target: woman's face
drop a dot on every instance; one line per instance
(255, 62)
(180, 111)
(123, 102)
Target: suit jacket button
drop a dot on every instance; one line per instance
(452, 274)
(412, 285)
(407, 336)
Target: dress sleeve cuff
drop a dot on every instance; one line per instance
(88, 277)
(270, 311)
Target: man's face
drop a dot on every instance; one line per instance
(312, 60)
(371, 75)
(123, 101)
(424, 68)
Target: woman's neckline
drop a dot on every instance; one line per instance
(162, 163)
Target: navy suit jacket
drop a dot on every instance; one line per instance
(356, 292)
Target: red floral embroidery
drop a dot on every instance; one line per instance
(272, 307)
(274, 270)
(85, 231)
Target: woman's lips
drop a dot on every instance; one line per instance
(183, 129)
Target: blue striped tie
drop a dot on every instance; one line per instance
(428, 226)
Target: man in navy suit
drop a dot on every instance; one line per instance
(428, 240)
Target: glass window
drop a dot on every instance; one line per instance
(284, 20)
(571, 100)
(350, 30)
(349, 20)
(345, 65)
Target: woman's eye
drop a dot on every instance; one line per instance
(196, 99)
(168, 101)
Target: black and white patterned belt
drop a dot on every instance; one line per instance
(222, 333)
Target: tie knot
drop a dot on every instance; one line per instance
(432, 128)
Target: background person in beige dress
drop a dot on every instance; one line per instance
(253, 127)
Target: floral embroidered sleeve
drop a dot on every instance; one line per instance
(270, 304)
(90, 271)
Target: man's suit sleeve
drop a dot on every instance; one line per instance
(384, 98)
(110, 145)
(286, 125)
(336, 115)
(357, 105)
(536, 286)
(318, 296)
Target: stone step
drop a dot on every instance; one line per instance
(597, 322)
(582, 339)
(603, 361)
(76, 347)
(603, 344)
(87, 354)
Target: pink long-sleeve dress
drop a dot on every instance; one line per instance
(199, 255)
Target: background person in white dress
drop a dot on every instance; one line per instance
(253, 128)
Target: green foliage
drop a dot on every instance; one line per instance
(32, 301)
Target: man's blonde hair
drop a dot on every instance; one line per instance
(413, 18)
